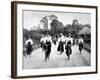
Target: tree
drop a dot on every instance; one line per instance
(57, 27)
(76, 28)
(68, 29)
(35, 34)
(25, 33)
(53, 17)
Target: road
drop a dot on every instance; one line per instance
(56, 60)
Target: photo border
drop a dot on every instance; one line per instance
(14, 37)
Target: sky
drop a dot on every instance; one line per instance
(32, 18)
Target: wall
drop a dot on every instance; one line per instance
(5, 40)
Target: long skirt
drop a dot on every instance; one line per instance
(60, 47)
(48, 50)
(68, 50)
(41, 45)
(80, 47)
(29, 50)
(44, 46)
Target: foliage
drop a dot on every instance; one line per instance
(57, 27)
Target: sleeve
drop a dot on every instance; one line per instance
(50, 39)
(31, 42)
(79, 41)
(26, 42)
(41, 40)
(82, 41)
(58, 40)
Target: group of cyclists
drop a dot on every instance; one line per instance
(62, 42)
